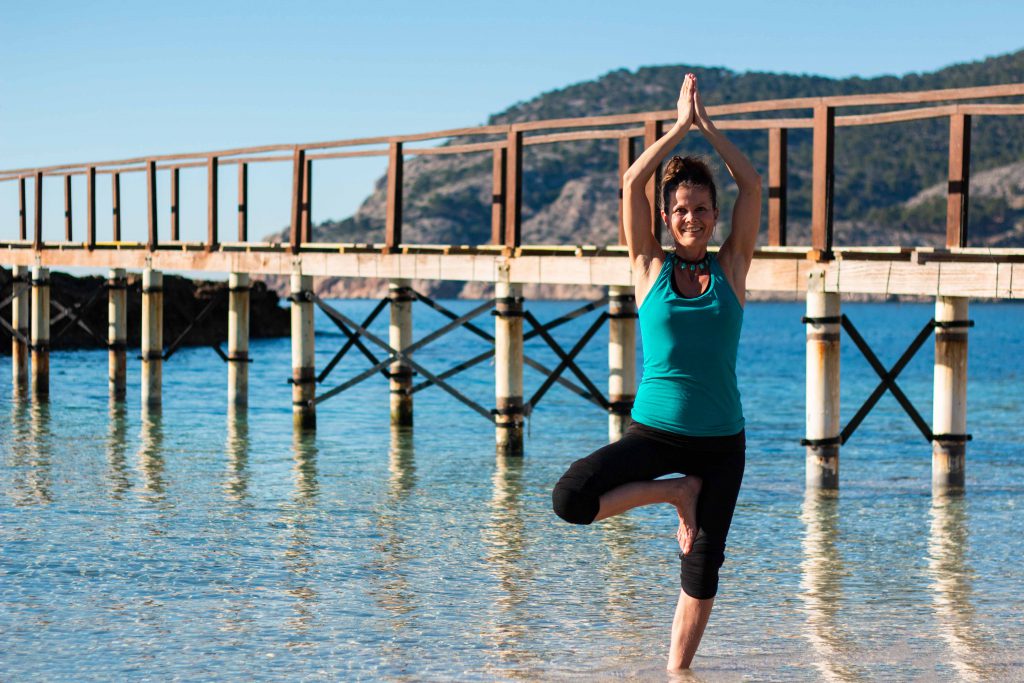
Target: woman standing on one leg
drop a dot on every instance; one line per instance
(687, 417)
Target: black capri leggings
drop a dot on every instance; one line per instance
(645, 453)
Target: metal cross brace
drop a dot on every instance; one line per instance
(214, 300)
(547, 372)
(75, 313)
(352, 340)
(888, 379)
(405, 354)
(566, 360)
(15, 333)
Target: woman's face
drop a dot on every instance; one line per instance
(691, 217)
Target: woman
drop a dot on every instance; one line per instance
(687, 417)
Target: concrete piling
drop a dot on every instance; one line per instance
(238, 339)
(399, 337)
(508, 368)
(621, 358)
(20, 317)
(949, 411)
(117, 332)
(822, 440)
(303, 352)
(152, 337)
(40, 332)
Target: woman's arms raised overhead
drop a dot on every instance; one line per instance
(644, 250)
(738, 250)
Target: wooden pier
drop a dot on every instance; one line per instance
(821, 271)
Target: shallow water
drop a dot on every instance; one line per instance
(197, 544)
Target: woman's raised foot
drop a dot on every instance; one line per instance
(685, 494)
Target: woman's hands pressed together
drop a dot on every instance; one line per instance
(700, 114)
(685, 105)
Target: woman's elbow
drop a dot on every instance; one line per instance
(631, 181)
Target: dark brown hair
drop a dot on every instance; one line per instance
(688, 172)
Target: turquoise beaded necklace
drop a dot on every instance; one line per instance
(694, 266)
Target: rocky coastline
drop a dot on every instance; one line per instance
(184, 300)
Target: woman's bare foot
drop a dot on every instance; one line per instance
(686, 491)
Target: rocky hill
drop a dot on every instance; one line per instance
(889, 179)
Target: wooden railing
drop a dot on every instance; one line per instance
(506, 144)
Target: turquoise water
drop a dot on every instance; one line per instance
(196, 545)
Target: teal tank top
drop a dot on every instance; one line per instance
(689, 376)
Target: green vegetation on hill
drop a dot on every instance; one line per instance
(569, 189)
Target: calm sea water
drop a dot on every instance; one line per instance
(195, 544)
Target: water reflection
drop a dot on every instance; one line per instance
(31, 450)
(237, 449)
(392, 588)
(401, 463)
(952, 579)
(304, 454)
(151, 455)
(300, 561)
(117, 447)
(822, 571)
(505, 549)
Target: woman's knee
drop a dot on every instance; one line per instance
(698, 571)
(572, 502)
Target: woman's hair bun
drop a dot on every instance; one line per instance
(689, 172)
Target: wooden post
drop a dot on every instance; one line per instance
(151, 220)
(822, 439)
(22, 210)
(117, 332)
(238, 339)
(298, 170)
(67, 208)
(243, 202)
(626, 159)
(20, 306)
(175, 222)
(513, 189)
(653, 130)
(621, 358)
(307, 202)
(777, 170)
(115, 198)
(40, 333)
(508, 367)
(949, 411)
(823, 181)
(399, 337)
(303, 353)
(211, 204)
(498, 180)
(152, 337)
(393, 216)
(959, 180)
(37, 235)
(90, 207)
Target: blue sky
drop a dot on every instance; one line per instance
(104, 80)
